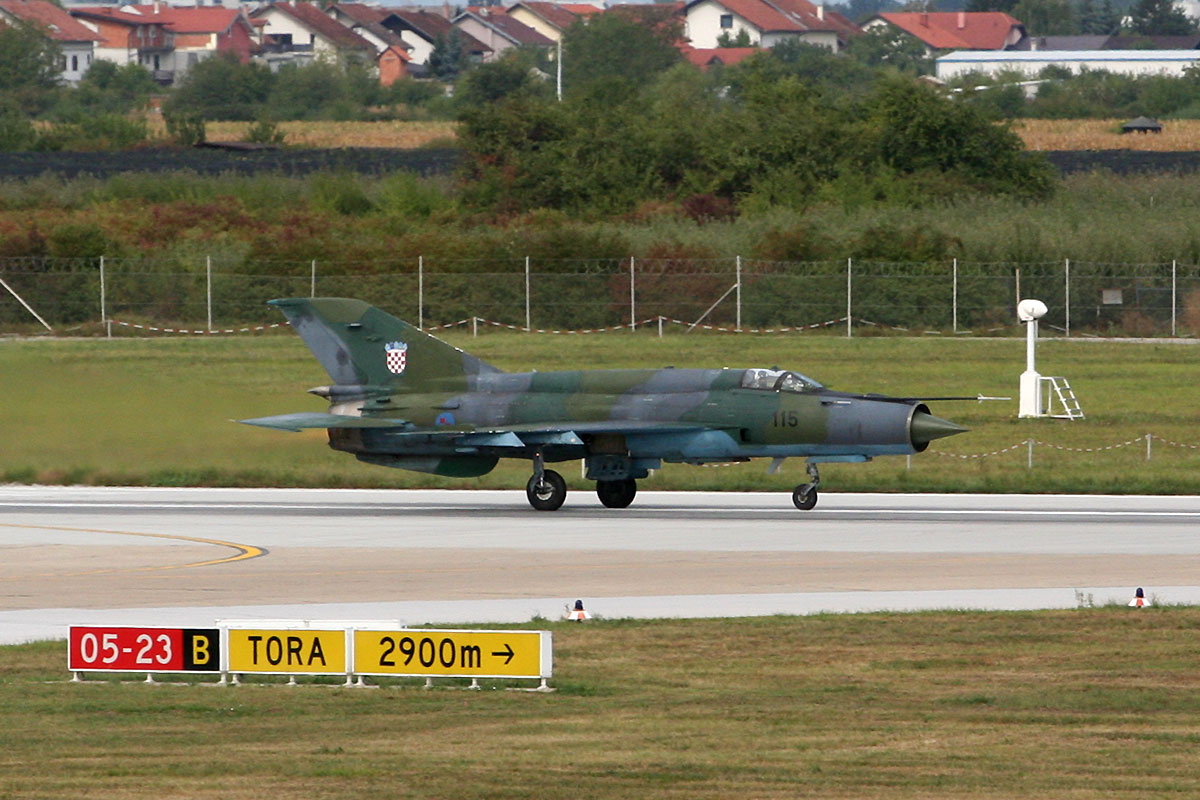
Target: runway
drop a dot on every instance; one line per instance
(72, 555)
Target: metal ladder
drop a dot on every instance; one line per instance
(1066, 398)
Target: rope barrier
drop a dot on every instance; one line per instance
(190, 332)
(1147, 438)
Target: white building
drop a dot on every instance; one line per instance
(1032, 62)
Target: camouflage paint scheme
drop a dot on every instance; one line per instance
(441, 410)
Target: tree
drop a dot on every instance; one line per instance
(514, 73)
(622, 49)
(223, 88)
(1159, 18)
(741, 40)
(1047, 17)
(885, 46)
(1098, 19)
(449, 56)
(29, 70)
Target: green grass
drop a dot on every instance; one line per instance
(1085, 703)
(159, 411)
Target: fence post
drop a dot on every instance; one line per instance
(1149, 436)
(660, 319)
(632, 298)
(421, 292)
(313, 290)
(849, 294)
(208, 272)
(474, 327)
(528, 324)
(1029, 461)
(1173, 303)
(103, 311)
(1067, 297)
(739, 294)
(954, 301)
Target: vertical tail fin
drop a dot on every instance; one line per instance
(357, 343)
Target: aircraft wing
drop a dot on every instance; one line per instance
(305, 419)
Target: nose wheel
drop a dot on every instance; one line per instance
(546, 492)
(805, 495)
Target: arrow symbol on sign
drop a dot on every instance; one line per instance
(507, 652)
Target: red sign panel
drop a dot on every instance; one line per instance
(113, 649)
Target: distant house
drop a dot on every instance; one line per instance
(393, 64)
(954, 30)
(298, 32)
(1125, 62)
(424, 30)
(367, 22)
(766, 23)
(198, 33)
(75, 41)
(128, 38)
(551, 19)
(1105, 42)
(499, 31)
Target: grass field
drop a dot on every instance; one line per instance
(160, 411)
(1038, 134)
(1064, 704)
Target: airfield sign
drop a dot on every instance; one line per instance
(453, 653)
(282, 652)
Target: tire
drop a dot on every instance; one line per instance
(616, 494)
(804, 498)
(550, 494)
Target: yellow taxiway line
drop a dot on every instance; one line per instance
(244, 551)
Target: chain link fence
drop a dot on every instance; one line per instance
(1085, 299)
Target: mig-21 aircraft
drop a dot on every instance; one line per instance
(403, 398)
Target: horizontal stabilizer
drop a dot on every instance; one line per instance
(304, 419)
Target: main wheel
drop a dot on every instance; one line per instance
(616, 494)
(804, 497)
(547, 494)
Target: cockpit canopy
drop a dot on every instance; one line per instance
(778, 380)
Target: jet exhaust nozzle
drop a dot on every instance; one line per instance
(925, 427)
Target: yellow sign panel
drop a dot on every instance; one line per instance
(304, 652)
(490, 654)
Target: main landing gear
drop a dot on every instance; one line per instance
(547, 489)
(805, 495)
(616, 494)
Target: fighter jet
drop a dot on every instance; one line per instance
(403, 398)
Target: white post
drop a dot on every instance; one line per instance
(954, 301)
(849, 294)
(474, 327)
(313, 289)
(421, 292)
(1067, 297)
(660, 319)
(739, 294)
(208, 271)
(1173, 277)
(1029, 460)
(632, 298)
(103, 311)
(528, 325)
(1149, 436)
(1030, 405)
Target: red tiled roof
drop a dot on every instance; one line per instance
(58, 24)
(788, 16)
(362, 13)
(559, 15)
(431, 25)
(319, 23)
(190, 19)
(956, 30)
(113, 14)
(718, 55)
(514, 30)
(818, 18)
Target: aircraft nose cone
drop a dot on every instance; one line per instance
(926, 427)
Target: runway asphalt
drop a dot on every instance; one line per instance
(188, 557)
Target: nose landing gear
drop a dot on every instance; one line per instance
(805, 495)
